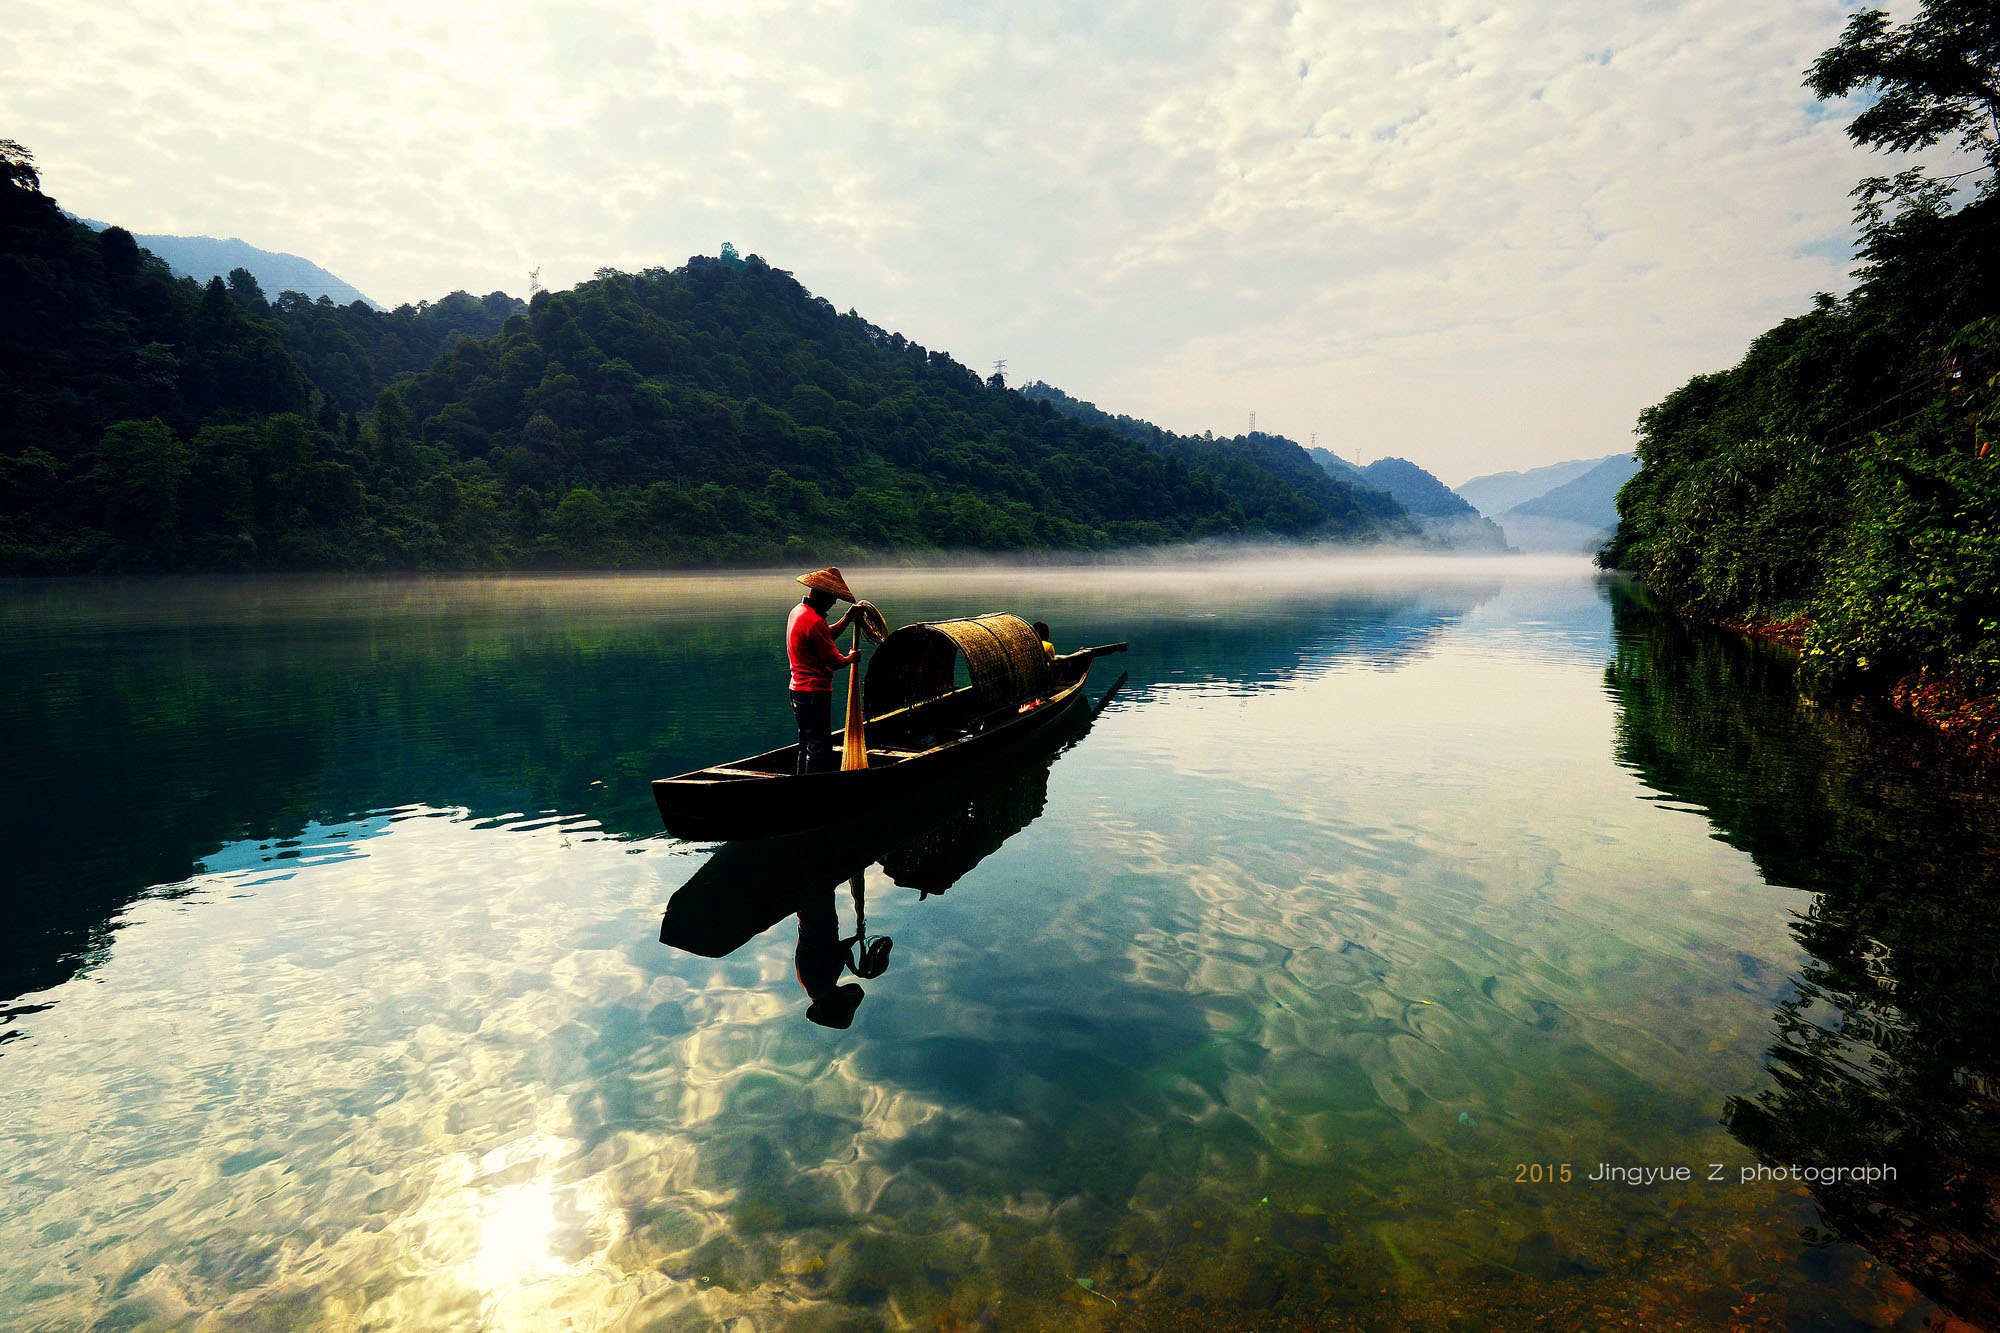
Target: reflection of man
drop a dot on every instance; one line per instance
(820, 959)
(822, 955)
(815, 657)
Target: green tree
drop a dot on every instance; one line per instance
(136, 473)
(17, 167)
(1936, 79)
(243, 286)
(214, 315)
(119, 251)
(582, 521)
(392, 427)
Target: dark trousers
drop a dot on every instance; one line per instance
(814, 711)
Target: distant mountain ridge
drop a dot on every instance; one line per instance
(1496, 492)
(205, 257)
(1444, 514)
(1569, 506)
(1591, 498)
(1336, 466)
(1416, 489)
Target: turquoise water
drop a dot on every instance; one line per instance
(1378, 893)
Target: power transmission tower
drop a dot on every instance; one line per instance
(1253, 421)
(534, 283)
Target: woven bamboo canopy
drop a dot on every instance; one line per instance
(1002, 653)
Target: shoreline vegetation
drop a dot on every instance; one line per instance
(1838, 490)
(1966, 717)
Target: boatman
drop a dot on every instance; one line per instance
(815, 657)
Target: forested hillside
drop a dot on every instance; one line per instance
(1416, 489)
(1843, 475)
(352, 352)
(717, 412)
(1265, 473)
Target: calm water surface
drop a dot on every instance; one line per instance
(1380, 906)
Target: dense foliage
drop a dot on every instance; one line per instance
(1769, 491)
(352, 352)
(1844, 473)
(714, 413)
(1269, 475)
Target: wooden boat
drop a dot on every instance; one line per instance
(923, 731)
(927, 842)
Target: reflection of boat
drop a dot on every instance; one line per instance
(927, 843)
(940, 854)
(921, 732)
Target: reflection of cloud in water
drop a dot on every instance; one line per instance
(472, 1113)
(384, 1087)
(538, 1241)
(315, 844)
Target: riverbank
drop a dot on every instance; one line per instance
(1967, 718)
(1972, 720)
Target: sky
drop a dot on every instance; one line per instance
(1480, 236)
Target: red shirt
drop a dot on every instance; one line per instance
(814, 654)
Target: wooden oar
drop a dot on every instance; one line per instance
(854, 748)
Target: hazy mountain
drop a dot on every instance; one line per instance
(1590, 499)
(1528, 533)
(1444, 515)
(1415, 489)
(1578, 515)
(1497, 492)
(1336, 466)
(205, 257)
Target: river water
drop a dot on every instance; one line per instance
(1384, 953)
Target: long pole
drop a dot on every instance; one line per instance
(854, 746)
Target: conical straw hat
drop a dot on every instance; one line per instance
(828, 580)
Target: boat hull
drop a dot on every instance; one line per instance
(764, 805)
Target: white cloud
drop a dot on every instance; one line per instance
(1476, 236)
